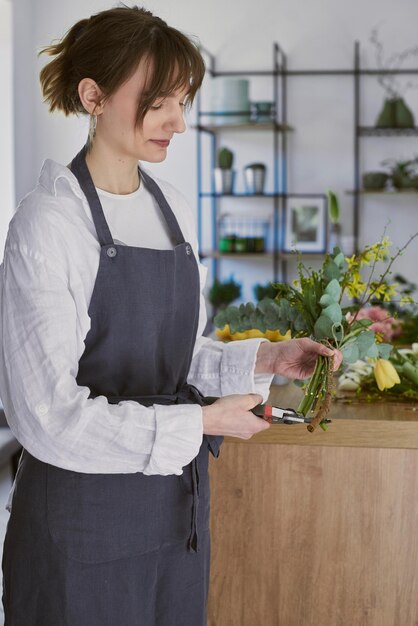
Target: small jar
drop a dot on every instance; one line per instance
(241, 244)
(227, 243)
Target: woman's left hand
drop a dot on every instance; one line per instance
(295, 358)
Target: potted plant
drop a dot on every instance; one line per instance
(224, 175)
(222, 293)
(264, 291)
(334, 218)
(395, 113)
(403, 173)
(373, 181)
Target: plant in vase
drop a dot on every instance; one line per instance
(224, 175)
(264, 291)
(313, 307)
(403, 173)
(334, 218)
(224, 292)
(395, 113)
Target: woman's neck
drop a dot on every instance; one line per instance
(111, 172)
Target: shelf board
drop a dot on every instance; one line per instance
(208, 194)
(214, 128)
(261, 255)
(270, 194)
(380, 192)
(215, 254)
(372, 131)
(288, 256)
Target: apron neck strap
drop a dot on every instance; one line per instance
(81, 172)
(165, 208)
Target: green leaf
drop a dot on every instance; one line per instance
(384, 350)
(331, 270)
(339, 259)
(364, 323)
(323, 327)
(299, 325)
(333, 312)
(326, 300)
(350, 352)
(364, 341)
(333, 289)
(372, 352)
(333, 207)
(225, 316)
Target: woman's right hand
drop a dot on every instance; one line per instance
(231, 416)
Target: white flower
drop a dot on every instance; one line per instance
(348, 382)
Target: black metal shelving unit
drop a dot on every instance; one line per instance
(280, 75)
(279, 128)
(370, 131)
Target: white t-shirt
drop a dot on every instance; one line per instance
(136, 218)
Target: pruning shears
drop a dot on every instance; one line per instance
(274, 414)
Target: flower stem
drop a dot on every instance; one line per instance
(411, 372)
(313, 387)
(326, 403)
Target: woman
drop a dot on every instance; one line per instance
(104, 363)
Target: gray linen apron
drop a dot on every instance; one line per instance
(120, 549)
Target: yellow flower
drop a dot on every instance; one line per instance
(239, 335)
(356, 286)
(273, 335)
(351, 260)
(254, 333)
(385, 374)
(224, 333)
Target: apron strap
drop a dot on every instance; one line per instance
(81, 172)
(165, 208)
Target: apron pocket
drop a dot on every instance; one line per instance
(95, 518)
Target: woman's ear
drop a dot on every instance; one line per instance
(90, 96)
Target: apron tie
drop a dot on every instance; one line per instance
(193, 539)
(184, 395)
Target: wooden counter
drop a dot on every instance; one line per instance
(318, 529)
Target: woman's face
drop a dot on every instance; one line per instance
(117, 128)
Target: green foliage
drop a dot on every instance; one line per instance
(223, 293)
(333, 207)
(225, 158)
(311, 306)
(264, 291)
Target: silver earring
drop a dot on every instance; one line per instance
(92, 128)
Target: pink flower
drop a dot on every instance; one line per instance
(383, 323)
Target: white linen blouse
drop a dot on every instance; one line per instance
(47, 277)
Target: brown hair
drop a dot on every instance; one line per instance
(107, 48)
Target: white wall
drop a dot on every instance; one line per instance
(6, 121)
(314, 34)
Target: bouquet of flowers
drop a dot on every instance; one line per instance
(314, 306)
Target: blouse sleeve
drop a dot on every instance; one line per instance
(48, 412)
(220, 369)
